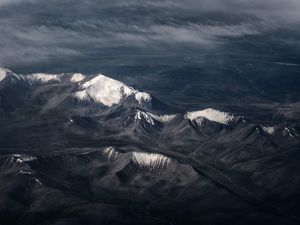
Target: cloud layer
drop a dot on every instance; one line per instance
(35, 32)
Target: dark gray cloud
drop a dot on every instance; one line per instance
(35, 32)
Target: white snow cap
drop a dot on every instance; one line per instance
(163, 118)
(3, 73)
(142, 97)
(143, 115)
(108, 91)
(77, 77)
(151, 118)
(31, 78)
(41, 78)
(144, 160)
(150, 161)
(212, 115)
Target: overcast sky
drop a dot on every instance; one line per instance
(37, 32)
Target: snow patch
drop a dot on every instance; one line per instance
(150, 160)
(77, 77)
(163, 118)
(199, 121)
(212, 115)
(21, 171)
(37, 180)
(110, 153)
(17, 158)
(268, 130)
(257, 130)
(42, 78)
(24, 158)
(3, 73)
(140, 115)
(81, 95)
(143, 97)
(288, 132)
(152, 118)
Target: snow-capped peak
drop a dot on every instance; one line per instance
(144, 160)
(77, 77)
(152, 118)
(163, 118)
(142, 97)
(41, 78)
(108, 91)
(3, 73)
(212, 115)
(150, 161)
(143, 115)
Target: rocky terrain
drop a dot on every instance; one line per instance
(89, 149)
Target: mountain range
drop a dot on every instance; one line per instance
(89, 149)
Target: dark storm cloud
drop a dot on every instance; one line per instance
(35, 31)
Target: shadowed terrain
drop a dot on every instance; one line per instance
(88, 149)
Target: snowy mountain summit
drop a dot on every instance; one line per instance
(48, 92)
(108, 91)
(100, 89)
(212, 115)
(3, 73)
